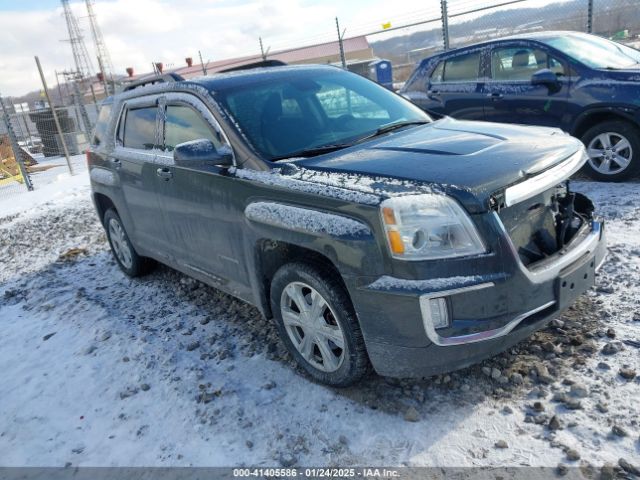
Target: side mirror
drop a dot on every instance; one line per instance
(202, 153)
(545, 77)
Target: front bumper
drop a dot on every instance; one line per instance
(489, 313)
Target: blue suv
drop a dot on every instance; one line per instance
(583, 84)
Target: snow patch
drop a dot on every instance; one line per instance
(276, 178)
(431, 285)
(103, 176)
(304, 219)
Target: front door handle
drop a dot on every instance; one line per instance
(164, 173)
(117, 164)
(495, 95)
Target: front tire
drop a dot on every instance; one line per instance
(126, 256)
(318, 325)
(614, 151)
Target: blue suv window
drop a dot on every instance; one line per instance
(438, 73)
(519, 63)
(462, 68)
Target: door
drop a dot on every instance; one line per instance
(455, 87)
(510, 95)
(135, 158)
(200, 216)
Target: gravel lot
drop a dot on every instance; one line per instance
(99, 369)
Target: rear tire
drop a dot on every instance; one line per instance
(614, 151)
(125, 255)
(318, 325)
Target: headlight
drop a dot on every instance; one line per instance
(429, 226)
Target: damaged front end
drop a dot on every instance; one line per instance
(543, 225)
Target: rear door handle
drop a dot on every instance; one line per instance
(117, 164)
(495, 95)
(164, 173)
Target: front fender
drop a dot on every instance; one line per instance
(348, 242)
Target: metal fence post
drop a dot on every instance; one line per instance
(445, 24)
(17, 151)
(342, 57)
(55, 116)
(589, 16)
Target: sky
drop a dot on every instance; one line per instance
(139, 32)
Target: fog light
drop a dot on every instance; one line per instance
(434, 311)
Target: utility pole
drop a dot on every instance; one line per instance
(590, 16)
(340, 37)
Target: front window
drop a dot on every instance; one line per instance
(595, 52)
(184, 124)
(286, 115)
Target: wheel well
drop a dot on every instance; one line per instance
(595, 118)
(103, 203)
(271, 255)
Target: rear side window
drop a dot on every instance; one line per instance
(462, 68)
(102, 124)
(184, 124)
(438, 73)
(140, 128)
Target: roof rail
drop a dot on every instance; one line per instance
(261, 64)
(153, 79)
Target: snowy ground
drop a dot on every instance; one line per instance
(98, 369)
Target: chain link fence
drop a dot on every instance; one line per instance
(464, 22)
(32, 152)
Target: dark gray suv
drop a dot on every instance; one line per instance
(369, 233)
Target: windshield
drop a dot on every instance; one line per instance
(595, 52)
(284, 116)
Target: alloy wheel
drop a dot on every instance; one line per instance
(609, 153)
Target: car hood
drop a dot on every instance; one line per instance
(468, 160)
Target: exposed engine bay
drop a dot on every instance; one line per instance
(544, 224)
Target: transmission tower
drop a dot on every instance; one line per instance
(84, 66)
(104, 60)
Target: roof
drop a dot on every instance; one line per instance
(538, 35)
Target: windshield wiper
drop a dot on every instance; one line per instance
(390, 127)
(313, 151)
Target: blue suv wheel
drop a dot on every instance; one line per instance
(613, 148)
